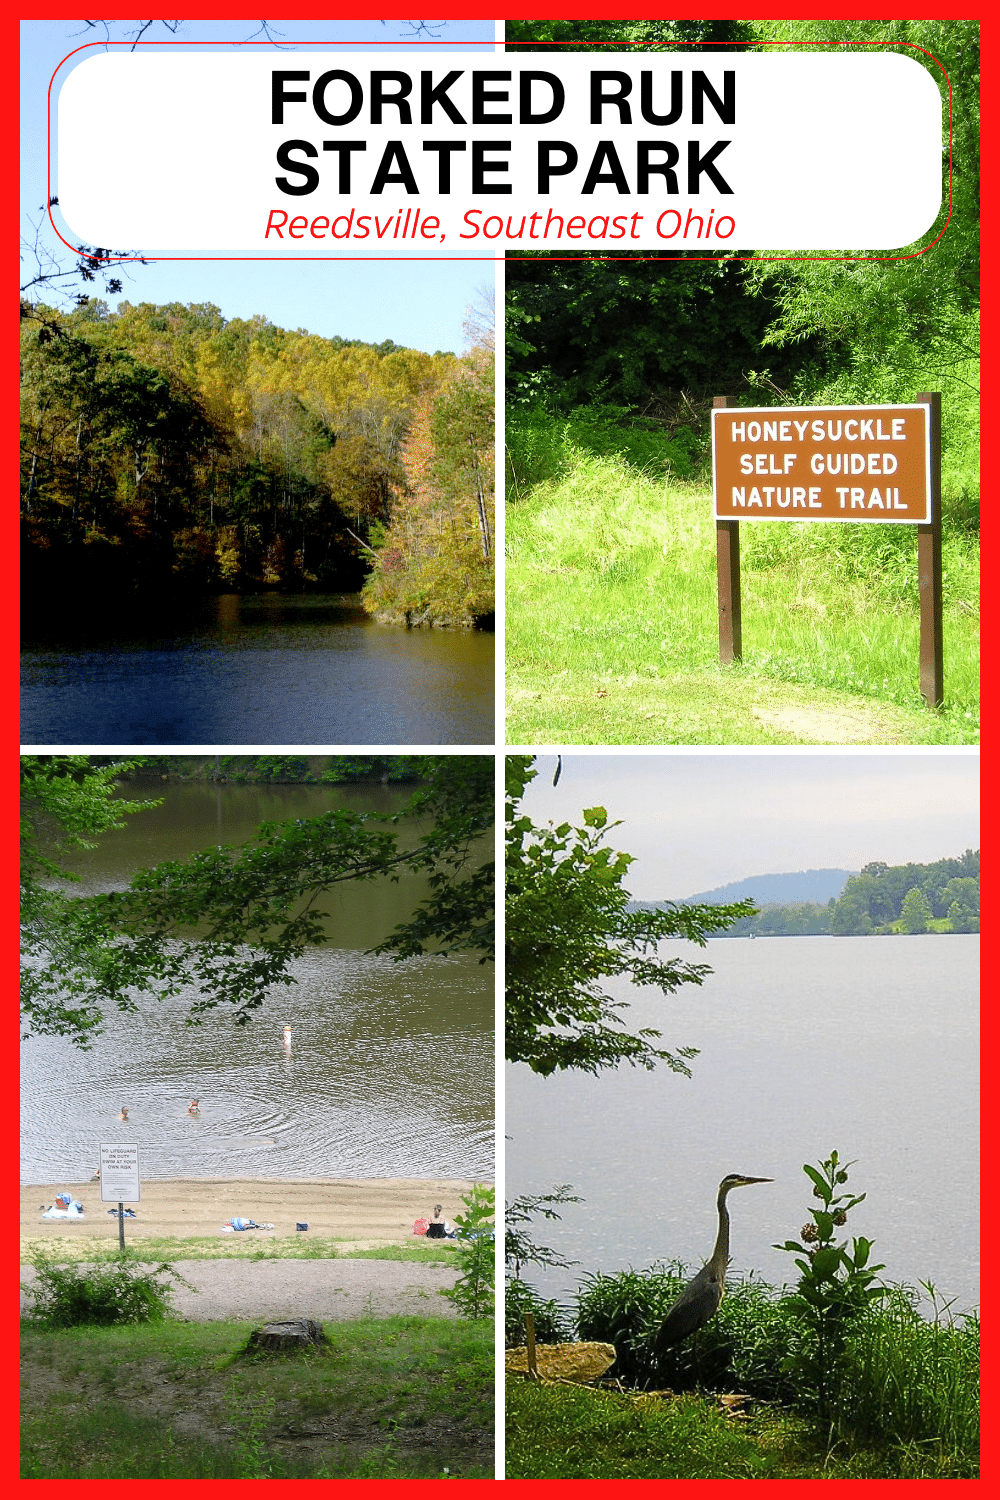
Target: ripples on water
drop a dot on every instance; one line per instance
(390, 1075)
(272, 670)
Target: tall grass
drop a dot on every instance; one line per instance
(611, 575)
(915, 1379)
(905, 1400)
(545, 444)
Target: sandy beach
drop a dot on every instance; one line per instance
(360, 1212)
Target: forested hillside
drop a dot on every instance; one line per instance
(168, 452)
(939, 897)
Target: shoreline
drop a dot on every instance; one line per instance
(366, 1211)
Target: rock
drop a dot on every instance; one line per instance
(287, 1337)
(579, 1363)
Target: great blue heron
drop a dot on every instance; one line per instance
(700, 1299)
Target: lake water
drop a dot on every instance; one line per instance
(863, 1045)
(390, 1072)
(274, 669)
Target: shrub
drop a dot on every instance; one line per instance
(475, 1251)
(552, 1322)
(623, 1310)
(912, 1379)
(116, 1291)
(836, 1282)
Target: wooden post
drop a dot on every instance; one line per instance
(727, 545)
(529, 1333)
(121, 1226)
(929, 569)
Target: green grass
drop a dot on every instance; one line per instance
(248, 1247)
(612, 624)
(390, 1398)
(556, 1432)
(903, 1397)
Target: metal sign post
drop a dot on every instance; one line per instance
(120, 1180)
(831, 464)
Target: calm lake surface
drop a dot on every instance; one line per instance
(274, 669)
(391, 1067)
(863, 1045)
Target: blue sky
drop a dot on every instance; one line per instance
(421, 306)
(696, 821)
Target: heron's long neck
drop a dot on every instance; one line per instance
(720, 1255)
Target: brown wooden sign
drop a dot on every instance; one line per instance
(831, 463)
(822, 463)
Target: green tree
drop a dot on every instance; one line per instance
(230, 921)
(963, 889)
(568, 929)
(962, 917)
(702, 35)
(916, 911)
(852, 916)
(883, 329)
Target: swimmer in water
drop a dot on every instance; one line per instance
(193, 1108)
(124, 1113)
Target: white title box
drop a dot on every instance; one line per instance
(305, 153)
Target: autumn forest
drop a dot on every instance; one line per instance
(169, 453)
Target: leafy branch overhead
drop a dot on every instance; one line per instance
(229, 922)
(569, 931)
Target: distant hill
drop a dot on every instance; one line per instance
(819, 886)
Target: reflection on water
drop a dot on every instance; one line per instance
(390, 1072)
(275, 669)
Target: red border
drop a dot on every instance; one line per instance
(720, 258)
(861, 9)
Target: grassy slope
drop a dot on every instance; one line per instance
(612, 634)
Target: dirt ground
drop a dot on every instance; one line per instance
(361, 1213)
(327, 1290)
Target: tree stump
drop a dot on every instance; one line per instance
(287, 1337)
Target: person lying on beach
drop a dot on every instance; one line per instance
(65, 1207)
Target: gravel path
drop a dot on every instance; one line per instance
(328, 1290)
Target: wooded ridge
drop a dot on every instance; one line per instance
(169, 453)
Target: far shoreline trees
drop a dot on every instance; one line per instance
(882, 900)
